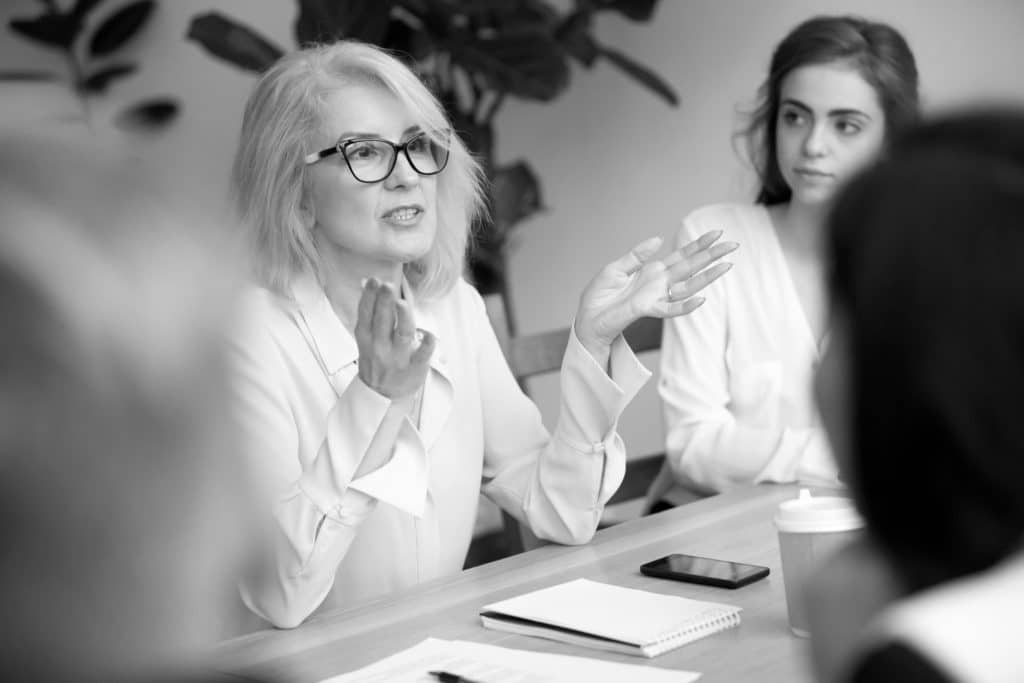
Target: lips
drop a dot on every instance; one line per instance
(403, 214)
(812, 173)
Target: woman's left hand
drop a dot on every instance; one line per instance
(637, 285)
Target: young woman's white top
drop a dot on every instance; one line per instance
(736, 374)
(310, 420)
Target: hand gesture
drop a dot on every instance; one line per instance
(637, 285)
(390, 361)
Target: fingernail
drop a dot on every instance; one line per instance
(362, 283)
(726, 265)
(730, 245)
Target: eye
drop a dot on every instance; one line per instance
(419, 145)
(792, 117)
(362, 151)
(848, 126)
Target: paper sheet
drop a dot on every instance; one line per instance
(491, 664)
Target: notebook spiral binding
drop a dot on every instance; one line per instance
(694, 629)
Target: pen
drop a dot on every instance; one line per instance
(446, 677)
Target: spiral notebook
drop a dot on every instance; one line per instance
(608, 617)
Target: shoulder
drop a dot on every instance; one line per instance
(736, 221)
(260, 317)
(259, 307)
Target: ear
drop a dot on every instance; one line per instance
(306, 213)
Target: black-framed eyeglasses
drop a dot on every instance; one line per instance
(371, 160)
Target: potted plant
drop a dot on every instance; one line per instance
(90, 39)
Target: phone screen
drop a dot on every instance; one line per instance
(704, 570)
(714, 569)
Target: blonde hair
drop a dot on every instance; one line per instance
(269, 176)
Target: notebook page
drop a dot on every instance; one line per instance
(625, 614)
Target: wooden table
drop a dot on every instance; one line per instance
(736, 526)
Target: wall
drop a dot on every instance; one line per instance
(625, 165)
(616, 163)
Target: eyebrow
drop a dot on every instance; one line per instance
(831, 112)
(378, 136)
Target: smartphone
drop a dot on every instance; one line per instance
(704, 570)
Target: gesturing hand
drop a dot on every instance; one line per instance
(390, 362)
(637, 285)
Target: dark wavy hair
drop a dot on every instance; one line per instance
(925, 252)
(878, 52)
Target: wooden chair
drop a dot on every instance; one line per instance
(537, 354)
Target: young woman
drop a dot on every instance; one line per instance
(920, 393)
(736, 378)
(372, 389)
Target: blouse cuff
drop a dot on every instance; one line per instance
(809, 461)
(598, 397)
(402, 481)
(363, 423)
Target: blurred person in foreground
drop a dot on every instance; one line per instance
(122, 497)
(920, 393)
(374, 393)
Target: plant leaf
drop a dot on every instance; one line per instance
(328, 20)
(120, 27)
(516, 196)
(55, 30)
(233, 42)
(99, 81)
(574, 36)
(641, 74)
(637, 10)
(28, 76)
(527, 63)
(83, 7)
(148, 116)
(408, 40)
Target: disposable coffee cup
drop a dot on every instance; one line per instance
(811, 528)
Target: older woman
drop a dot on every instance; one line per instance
(372, 388)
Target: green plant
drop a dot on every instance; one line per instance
(473, 54)
(90, 51)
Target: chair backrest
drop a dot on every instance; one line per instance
(541, 353)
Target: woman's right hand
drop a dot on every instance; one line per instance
(390, 361)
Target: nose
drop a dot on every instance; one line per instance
(403, 174)
(815, 144)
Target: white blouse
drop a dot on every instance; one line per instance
(736, 374)
(969, 628)
(309, 421)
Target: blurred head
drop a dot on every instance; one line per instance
(921, 389)
(120, 491)
(310, 101)
(837, 89)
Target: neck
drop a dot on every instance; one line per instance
(804, 224)
(344, 275)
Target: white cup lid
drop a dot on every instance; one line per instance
(817, 514)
